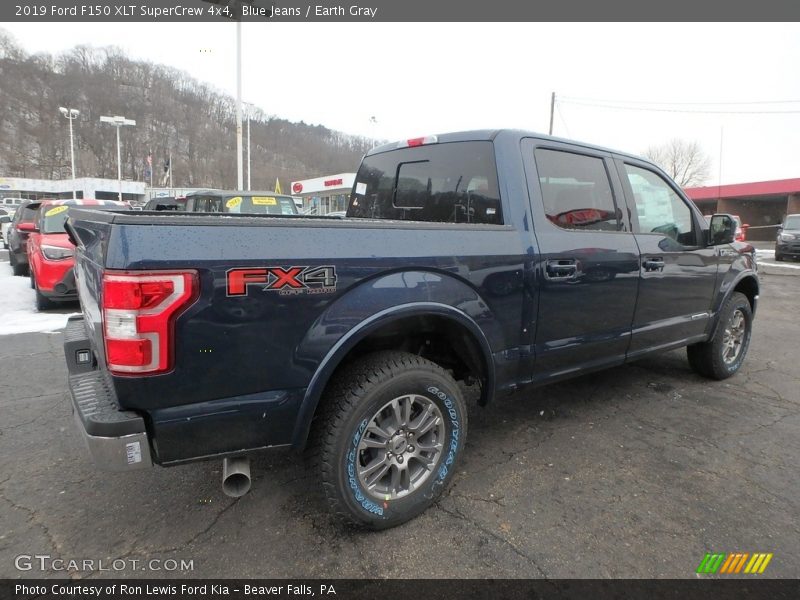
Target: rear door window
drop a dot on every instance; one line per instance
(445, 183)
(576, 191)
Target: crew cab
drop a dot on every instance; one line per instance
(50, 253)
(502, 259)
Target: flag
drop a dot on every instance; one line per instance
(167, 167)
(278, 186)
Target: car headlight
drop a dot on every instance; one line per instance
(57, 253)
(786, 237)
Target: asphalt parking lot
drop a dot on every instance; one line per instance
(633, 472)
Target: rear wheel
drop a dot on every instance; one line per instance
(723, 355)
(390, 434)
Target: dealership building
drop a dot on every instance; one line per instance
(761, 204)
(85, 187)
(322, 195)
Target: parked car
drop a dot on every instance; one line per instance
(17, 237)
(239, 202)
(51, 253)
(166, 203)
(6, 202)
(5, 224)
(499, 258)
(741, 229)
(788, 242)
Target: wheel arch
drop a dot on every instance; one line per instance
(476, 347)
(747, 283)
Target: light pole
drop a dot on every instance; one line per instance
(248, 114)
(118, 122)
(71, 113)
(239, 169)
(374, 123)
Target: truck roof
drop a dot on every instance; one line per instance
(491, 135)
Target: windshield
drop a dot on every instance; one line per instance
(55, 216)
(792, 222)
(260, 205)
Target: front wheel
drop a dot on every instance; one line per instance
(723, 355)
(391, 432)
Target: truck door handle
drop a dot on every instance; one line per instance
(561, 269)
(653, 263)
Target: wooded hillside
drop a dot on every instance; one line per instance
(173, 112)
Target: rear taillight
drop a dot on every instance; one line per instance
(139, 312)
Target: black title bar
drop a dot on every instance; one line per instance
(365, 11)
(351, 589)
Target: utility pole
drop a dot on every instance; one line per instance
(239, 167)
(552, 110)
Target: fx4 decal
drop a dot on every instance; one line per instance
(291, 280)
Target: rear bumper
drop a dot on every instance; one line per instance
(116, 439)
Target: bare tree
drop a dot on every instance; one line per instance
(683, 160)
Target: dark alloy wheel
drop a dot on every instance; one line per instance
(723, 355)
(389, 436)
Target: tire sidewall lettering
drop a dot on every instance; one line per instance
(352, 479)
(455, 432)
(452, 448)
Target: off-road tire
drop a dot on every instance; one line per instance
(351, 402)
(707, 358)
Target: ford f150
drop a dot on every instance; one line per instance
(501, 259)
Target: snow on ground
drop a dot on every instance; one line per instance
(767, 257)
(18, 312)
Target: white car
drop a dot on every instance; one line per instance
(5, 224)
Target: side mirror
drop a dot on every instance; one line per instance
(5, 219)
(28, 226)
(722, 230)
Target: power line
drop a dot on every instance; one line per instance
(662, 103)
(561, 116)
(613, 106)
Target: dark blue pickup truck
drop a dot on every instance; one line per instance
(492, 258)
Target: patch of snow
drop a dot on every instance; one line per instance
(18, 312)
(780, 265)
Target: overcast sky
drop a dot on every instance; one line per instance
(420, 78)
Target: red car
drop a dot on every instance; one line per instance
(741, 229)
(51, 255)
